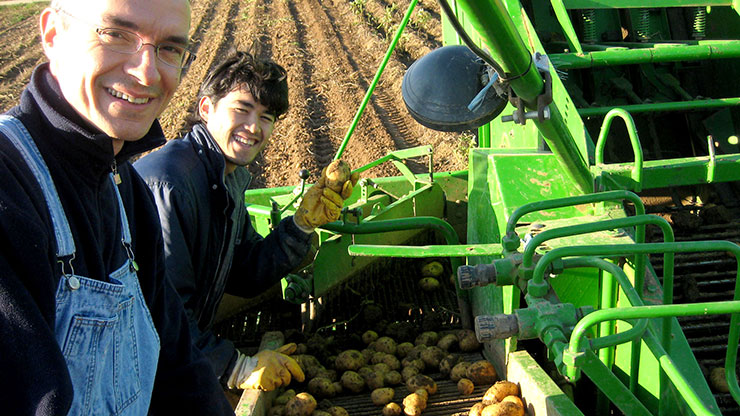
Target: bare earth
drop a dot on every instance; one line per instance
(331, 50)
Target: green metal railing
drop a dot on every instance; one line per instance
(634, 141)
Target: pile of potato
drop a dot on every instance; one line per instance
(388, 357)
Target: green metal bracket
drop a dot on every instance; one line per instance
(634, 141)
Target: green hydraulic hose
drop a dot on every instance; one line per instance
(371, 89)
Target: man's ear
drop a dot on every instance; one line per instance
(205, 107)
(48, 23)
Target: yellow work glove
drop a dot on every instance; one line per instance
(273, 369)
(323, 202)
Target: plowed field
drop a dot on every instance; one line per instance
(331, 50)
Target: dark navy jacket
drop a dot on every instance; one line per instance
(187, 179)
(34, 374)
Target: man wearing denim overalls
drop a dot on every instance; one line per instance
(88, 323)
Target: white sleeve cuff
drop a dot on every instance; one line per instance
(305, 230)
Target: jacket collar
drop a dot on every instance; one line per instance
(74, 138)
(212, 155)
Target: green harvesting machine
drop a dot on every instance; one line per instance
(590, 240)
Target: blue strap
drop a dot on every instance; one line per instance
(16, 132)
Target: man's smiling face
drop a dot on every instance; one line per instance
(120, 94)
(240, 125)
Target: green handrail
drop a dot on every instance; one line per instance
(634, 333)
(667, 106)
(660, 311)
(374, 83)
(634, 140)
(683, 247)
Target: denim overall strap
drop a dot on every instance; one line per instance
(16, 132)
(103, 328)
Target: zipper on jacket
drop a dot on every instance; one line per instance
(116, 175)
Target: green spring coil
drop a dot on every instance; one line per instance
(699, 23)
(589, 25)
(643, 25)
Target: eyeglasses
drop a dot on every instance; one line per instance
(124, 41)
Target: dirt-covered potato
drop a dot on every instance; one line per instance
(276, 410)
(718, 380)
(381, 367)
(284, 397)
(392, 362)
(392, 409)
(349, 360)
(382, 396)
(403, 349)
(428, 284)
(476, 410)
(337, 385)
(409, 372)
(337, 173)
(351, 381)
(432, 269)
(303, 404)
(465, 386)
(369, 336)
(377, 357)
(447, 363)
(503, 409)
(365, 370)
(386, 345)
(467, 341)
(374, 380)
(514, 399)
(321, 387)
(308, 363)
(427, 338)
(432, 356)
(337, 411)
(300, 348)
(414, 404)
(392, 378)
(459, 371)
(320, 413)
(421, 381)
(448, 342)
(481, 372)
(417, 364)
(330, 374)
(368, 354)
(498, 391)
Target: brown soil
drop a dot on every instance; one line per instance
(331, 50)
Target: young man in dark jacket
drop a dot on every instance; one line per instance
(88, 322)
(199, 182)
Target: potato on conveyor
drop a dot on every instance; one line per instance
(465, 386)
(337, 411)
(448, 342)
(374, 380)
(276, 410)
(409, 372)
(718, 380)
(369, 336)
(353, 382)
(403, 349)
(448, 363)
(386, 345)
(303, 404)
(421, 381)
(428, 284)
(284, 397)
(427, 338)
(349, 360)
(392, 378)
(432, 269)
(476, 410)
(414, 404)
(481, 372)
(432, 356)
(503, 409)
(382, 396)
(320, 413)
(459, 371)
(498, 391)
(392, 409)
(321, 387)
